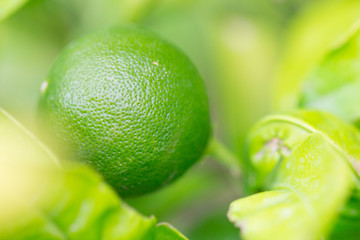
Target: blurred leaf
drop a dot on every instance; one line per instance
(42, 201)
(137, 9)
(243, 55)
(8, 7)
(75, 204)
(312, 34)
(29, 42)
(98, 14)
(334, 84)
(19, 145)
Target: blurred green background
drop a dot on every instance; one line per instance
(252, 54)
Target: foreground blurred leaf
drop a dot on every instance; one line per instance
(40, 200)
(17, 145)
(7, 7)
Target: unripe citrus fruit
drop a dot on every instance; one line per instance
(131, 105)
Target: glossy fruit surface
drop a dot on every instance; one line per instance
(130, 104)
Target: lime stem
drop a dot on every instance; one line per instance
(226, 157)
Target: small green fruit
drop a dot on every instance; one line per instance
(129, 104)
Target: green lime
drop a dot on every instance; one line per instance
(129, 104)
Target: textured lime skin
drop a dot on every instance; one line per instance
(131, 105)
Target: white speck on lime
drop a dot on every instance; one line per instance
(44, 86)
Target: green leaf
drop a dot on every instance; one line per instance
(312, 35)
(306, 164)
(76, 204)
(165, 231)
(334, 84)
(8, 7)
(40, 200)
